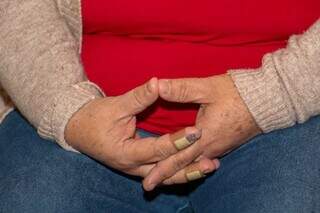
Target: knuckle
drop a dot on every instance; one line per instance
(183, 91)
(160, 152)
(123, 158)
(135, 172)
(160, 149)
(161, 172)
(137, 98)
(124, 165)
(178, 162)
(170, 181)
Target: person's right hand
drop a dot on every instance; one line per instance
(105, 130)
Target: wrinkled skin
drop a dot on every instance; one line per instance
(223, 118)
(105, 129)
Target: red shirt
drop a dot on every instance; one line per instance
(127, 42)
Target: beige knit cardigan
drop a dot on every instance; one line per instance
(40, 70)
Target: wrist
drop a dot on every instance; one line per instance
(249, 125)
(78, 126)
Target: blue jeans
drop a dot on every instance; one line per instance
(277, 172)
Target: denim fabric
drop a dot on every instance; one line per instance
(38, 176)
(277, 172)
(274, 173)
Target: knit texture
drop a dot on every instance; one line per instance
(286, 88)
(40, 70)
(40, 63)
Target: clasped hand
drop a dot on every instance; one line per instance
(105, 129)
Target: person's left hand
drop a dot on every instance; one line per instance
(223, 117)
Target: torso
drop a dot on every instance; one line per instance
(127, 42)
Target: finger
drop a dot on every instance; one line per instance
(138, 99)
(191, 90)
(141, 171)
(168, 167)
(193, 172)
(154, 149)
(190, 173)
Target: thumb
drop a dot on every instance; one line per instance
(184, 90)
(138, 99)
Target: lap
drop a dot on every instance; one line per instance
(276, 172)
(38, 176)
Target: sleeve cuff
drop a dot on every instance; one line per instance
(64, 107)
(265, 96)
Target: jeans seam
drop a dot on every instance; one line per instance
(183, 207)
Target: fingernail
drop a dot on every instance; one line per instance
(207, 170)
(149, 85)
(195, 175)
(151, 186)
(217, 163)
(164, 87)
(192, 138)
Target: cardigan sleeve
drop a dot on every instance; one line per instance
(40, 66)
(286, 88)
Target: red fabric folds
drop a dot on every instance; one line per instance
(126, 43)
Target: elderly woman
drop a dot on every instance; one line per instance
(168, 131)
